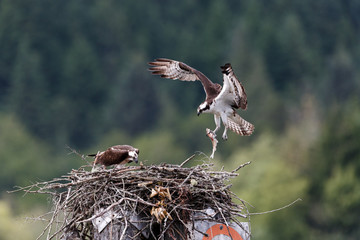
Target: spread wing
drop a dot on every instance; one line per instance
(172, 69)
(233, 92)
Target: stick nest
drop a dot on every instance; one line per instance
(162, 195)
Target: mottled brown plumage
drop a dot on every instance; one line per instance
(172, 69)
(119, 154)
(222, 101)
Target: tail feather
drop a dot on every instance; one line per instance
(240, 126)
(226, 69)
(92, 155)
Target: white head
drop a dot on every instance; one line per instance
(134, 155)
(204, 107)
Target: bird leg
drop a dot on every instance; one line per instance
(97, 168)
(224, 136)
(119, 166)
(217, 123)
(224, 120)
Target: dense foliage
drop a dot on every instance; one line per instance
(75, 73)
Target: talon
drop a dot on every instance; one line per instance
(224, 137)
(213, 132)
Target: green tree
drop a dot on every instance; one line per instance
(28, 89)
(83, 93)
(268, 183)
(133, 102)
(334, 175)
(24, 158)
(12, 227)
(160, 147)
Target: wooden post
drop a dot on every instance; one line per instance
(130, 228)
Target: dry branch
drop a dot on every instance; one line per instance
(82, 196)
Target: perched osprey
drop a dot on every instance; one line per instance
(119, 154)
(220, 101)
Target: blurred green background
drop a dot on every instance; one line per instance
(75, 73)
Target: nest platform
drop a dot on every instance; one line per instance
(160, 200)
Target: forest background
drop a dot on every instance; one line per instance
(74, 73)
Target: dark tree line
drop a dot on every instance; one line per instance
(72, 72)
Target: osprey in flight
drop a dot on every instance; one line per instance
(119, 154)
(220, 101)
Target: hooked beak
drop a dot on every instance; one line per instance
(198, 112)
(133, 155)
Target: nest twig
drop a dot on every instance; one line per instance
(82, 195)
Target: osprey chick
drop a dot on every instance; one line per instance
(119, 154)
(220, 101)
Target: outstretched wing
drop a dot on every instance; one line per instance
(233, 92)
(172, 69)
(239, 125)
